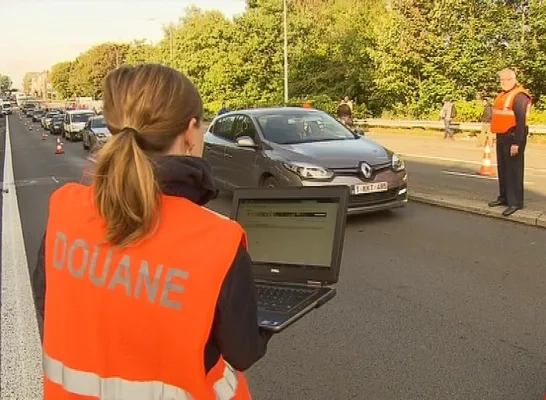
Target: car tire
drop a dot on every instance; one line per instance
(85, 145)
(72, 139)
(270, 182)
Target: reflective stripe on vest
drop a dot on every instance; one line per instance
(90, 384)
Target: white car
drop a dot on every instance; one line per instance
(74, 122)
(6, 108)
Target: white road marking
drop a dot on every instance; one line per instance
(20, 348)
(456, 160)
(465, 174)
(55, 179)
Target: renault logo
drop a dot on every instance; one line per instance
(366, 170)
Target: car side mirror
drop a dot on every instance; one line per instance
(360, 132)
(246, 141)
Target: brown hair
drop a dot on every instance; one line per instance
(146, 108)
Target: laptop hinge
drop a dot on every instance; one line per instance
(314, 283)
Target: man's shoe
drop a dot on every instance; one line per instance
(496, 203)
(510, 210)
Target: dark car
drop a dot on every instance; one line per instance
(303, 147)
(56, 125)
(95, 133)
(37, 115)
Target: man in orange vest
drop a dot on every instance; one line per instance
(509, 123)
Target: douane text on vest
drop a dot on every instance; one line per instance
(76, 256)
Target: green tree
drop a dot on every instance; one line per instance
(27, 80)
(90, 68)
(60, 78)
(5, 83)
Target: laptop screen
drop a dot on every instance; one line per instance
(290, 231)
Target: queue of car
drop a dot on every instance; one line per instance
(73, 125)
(273, 147)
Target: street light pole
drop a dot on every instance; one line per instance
(285, 23)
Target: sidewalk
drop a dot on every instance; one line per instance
(443, 173)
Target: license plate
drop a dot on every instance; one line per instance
(370, 188)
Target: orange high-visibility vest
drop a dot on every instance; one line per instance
(132, 323)
(503, 118)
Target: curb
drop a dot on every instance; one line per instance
(525, 216)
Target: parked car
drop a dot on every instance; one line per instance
(74, 122)
(46, 119)
(56, 125)
(273, 147)
(95, 134)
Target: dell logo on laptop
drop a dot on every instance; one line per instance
(366, 170)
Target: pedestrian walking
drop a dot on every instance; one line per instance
(485, 136)
(345, 111)
(447, 114)
(145, 293)
(509, 122)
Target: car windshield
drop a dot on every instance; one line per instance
(58, 118)
(293, 127)
(81, 117)
(98, 123)
(51, 114)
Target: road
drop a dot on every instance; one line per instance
(449, 167)
(432, 303)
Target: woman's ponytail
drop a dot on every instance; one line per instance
(126, 190)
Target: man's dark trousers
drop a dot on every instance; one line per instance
(510, 171)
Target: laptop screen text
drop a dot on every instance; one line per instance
(289, 231)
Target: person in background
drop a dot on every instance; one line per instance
(345, 111)
(447, 114)
(223, 110)
(485, 136)
(143, 292)
(509, 122)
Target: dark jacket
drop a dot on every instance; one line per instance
(487, 114)
(235, 333)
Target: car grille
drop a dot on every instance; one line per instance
(356, 171)
(361, 200)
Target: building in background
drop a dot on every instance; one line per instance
(41, 87)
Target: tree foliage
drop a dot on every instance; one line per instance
(398, 57)
(5, 83)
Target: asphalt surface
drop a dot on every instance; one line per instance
(432, 303)
(449, 167)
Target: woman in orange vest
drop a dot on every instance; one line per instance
(144, 293)
(509, 122)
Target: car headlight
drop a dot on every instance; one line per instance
(309, 171)
(397, 163)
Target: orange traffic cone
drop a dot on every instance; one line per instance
(44, 136)
(59, 149)
(486, 169)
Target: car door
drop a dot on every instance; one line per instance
(66, 123)
(86, 134)
(216, 138)
(241, 162)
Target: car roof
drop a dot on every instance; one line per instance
(264, 111)
(80, 112)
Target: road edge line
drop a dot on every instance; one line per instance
(525, 216)
(20, 347)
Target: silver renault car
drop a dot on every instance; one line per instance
(273, 147)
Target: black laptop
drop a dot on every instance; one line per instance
(295, 238)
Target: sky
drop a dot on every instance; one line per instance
(39, 33)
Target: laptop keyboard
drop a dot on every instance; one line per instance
(281, 299)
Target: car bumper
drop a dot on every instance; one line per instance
(395, 196)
